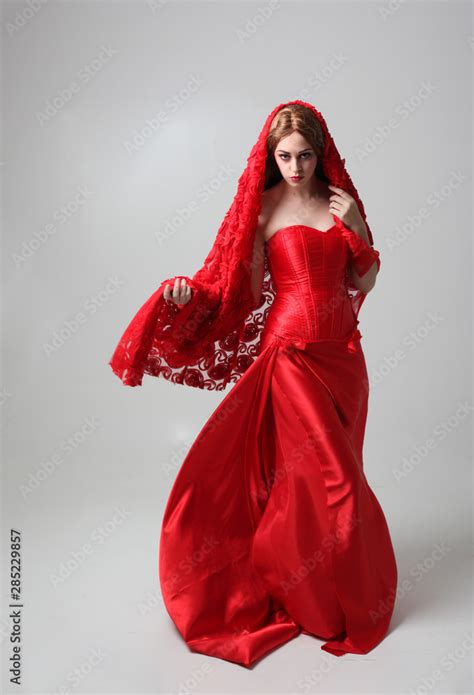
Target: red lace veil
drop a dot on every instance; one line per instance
(213, 339)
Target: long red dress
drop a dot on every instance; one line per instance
(271, 527)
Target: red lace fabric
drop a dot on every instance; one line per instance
(212, 340)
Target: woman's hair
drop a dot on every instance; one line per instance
(288, 120)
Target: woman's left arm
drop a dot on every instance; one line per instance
(365, 260)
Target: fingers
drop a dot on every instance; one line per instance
(181, 291)
(335, 198)
(180, 294)
(185, 293)
(338, 191)
(341, 197)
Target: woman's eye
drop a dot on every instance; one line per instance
(305, 155)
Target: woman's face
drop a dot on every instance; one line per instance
(296, 159)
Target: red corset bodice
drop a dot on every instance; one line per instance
(308, 269)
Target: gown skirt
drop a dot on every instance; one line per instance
(271, 528)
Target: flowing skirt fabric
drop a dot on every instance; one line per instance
(271, 528)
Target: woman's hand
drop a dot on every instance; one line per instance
(345, 207)
(181, 293)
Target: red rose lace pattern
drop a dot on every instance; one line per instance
(171, 335)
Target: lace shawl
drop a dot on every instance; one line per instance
(215, 337)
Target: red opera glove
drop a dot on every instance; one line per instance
(363, 255)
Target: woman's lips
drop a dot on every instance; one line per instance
(296, 178)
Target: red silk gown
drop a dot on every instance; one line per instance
(271, 527)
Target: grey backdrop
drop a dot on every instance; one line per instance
(125, 129)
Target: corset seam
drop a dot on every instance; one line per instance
(299, 300)
(333, 308)
(313, 329)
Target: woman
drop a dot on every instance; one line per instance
(271, 528)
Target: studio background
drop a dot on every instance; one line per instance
(125, 128)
